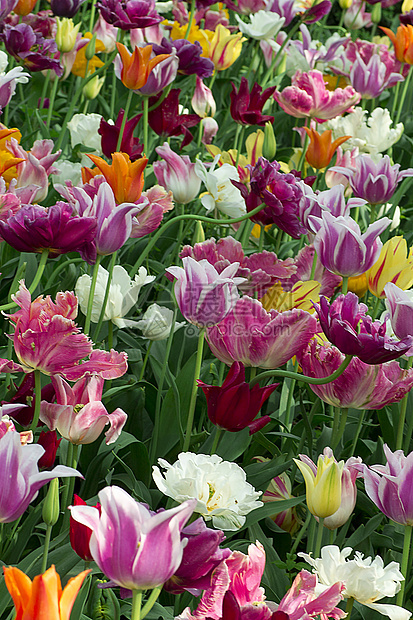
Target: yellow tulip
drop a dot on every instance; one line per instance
(66, 34)
(323, 491)
(225, 47)
(395, 264)
(301, 296)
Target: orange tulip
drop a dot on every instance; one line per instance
(43, 597)
(125, 177)
(24, 7)
(402, 42)
(321, 150)
(136, 67)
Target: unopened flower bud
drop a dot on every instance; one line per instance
(199, 234)
(345, 4)
(376, 13)
(282, 65)
(203, 101)
(269, 147)
(93, 87)
(66, 34)
(51, 504)
(90, 48)
(210, 127)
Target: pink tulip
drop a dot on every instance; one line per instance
(305, 599)
(176, 174)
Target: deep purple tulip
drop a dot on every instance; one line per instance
(134, 547)
(234, 405)
(353, 332)
(317, 12)
(23, 43)
(246, 107)
(65, 8)
(372, 78)
(110, 135)
(390, 486)
(361, 386)
(201, 556)
(128, 14)
(376, 182)
(255, 337)
(284, 8)
(279, 191)
(189, 55)
(341, 247)
(6, 7)
(35, 228)
(166, 121)
(21, 479)
(406, 18)
(49, 441)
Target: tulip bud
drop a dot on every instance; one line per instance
(79, 534)
(376, 13)
(66, 34)
(323, 491)
(90, 48)
(345, 4)
(199, 235)
(210, 127)
(203, 102)
(51, 506)
(282, 65)
(93, 87)
(270, 144)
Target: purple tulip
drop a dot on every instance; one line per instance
(21, 479)
(331, 200)
(255, 337)
(246, 107)
(8, 83)
(372, 78)
(205, 296)
(114, 222)
(128, 14)
(166, 121)
(65, 8)
(28, 45)
(189, 55)
(317, 11)
(201, 556)
(399, 303)
(341, 247)
(134, 547)
(353, 332)
(361, 386)
(6, 7)
(284, 8)
(390, 486)
(110, 135)
(373, 181)
(34, 228)
(161, 76)
(176, 174)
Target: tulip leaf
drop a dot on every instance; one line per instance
(267, 510)
(259, 474)
(274, 578)
(364, 531)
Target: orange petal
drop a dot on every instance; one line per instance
(20, 587)
(70, 593)
(44, 601)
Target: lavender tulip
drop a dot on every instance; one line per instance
(136, 548)
(189, 55)
(361, 386)
(372, 78)
(399, 303)
(376, 182)
(176, 174)
(127, 14)
(390, 486)
(205, 296)
(28, 45)
(6, 7)
(255, 337)
(347, 326)
(341, 247)
(21, 479)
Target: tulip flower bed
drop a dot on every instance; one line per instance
(207, 310)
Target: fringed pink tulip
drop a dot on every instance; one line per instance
(176, 174)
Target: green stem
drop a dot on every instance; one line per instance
(396, 95)
(358, 429)
(124, 119)
(136, 605)
(191, 19)
(92, 16)
(46, 548)
(156, 424)
(145, 360)
(51, 104)
(336, 438)
(105, 298)
(312, 380)
(92, 294)
(145, 125)
(408, 529)
(319, 538)
(261, 240)
(218, 435)
(240, 145)
(38, 398)
(69, 460)
(404, 92)
(349, 607)
(188, 216)
(402, 416)
(71, 485)
(301, 532)
(344, 285)
(44, 90)
(62, 267)
(194, 392)
(153, 597)
(313, 266)
(278, 54)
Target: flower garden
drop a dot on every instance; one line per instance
(207, 310)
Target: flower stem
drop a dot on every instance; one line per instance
(153, 597)
(402, 416)
(344, 286)
(46, 548)
(191, 19)
(92, 294)
(192, 403)
(358, 429)
(336, 437)
(312, 380)
(188, 216)
(349, 606)
(124, 119)
(301, 532)
(136, 605)
(319, 538)
(38, 398)
(218, 435)
(145, 360)
(408, 529)
(402, 98)
(51, 104)
(106, 297)
(145, 125)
